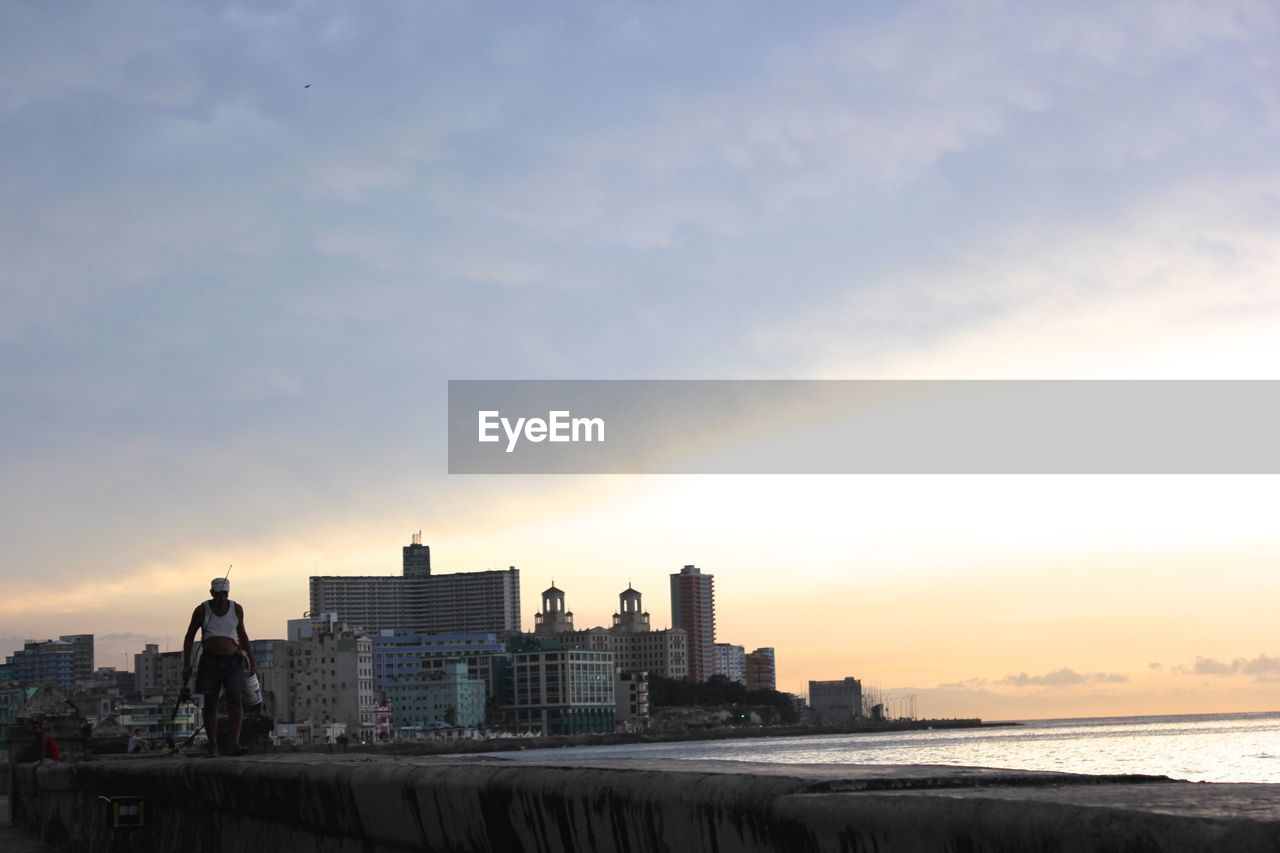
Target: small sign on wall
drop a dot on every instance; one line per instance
(126, 811)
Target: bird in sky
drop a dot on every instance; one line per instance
(308, 86)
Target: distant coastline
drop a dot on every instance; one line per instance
(510, 744)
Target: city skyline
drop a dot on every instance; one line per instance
(247, 247)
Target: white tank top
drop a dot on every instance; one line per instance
(221, 626)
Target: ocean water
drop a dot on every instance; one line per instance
(1200, 748)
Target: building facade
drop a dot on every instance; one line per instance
(554, 618)
(416, 560)
(834, 702)
(158, 675)
(563, 691)
(448, 696)
(398, 652)
(326, 678)
(47, 662)
(158, 720)
(693, 610)
(730, 661)
(762, 669)
(635, 648)
(631, 700)
(459, 603)
(82, 646)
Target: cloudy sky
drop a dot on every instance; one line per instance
(245, 246)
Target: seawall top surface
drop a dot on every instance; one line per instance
(766, 781)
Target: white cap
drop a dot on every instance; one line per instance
(220, 585)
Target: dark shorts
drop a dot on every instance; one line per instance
(217, 672)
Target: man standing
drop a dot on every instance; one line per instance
(222, 622)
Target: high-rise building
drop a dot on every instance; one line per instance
(693, 609)
(458, 603)
(82, 646)
(48, 662)
(730, 661)
(835, 701)
(762, 669)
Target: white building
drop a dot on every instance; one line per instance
(730, 661)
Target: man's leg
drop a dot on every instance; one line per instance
(211, 720)
(235, 713)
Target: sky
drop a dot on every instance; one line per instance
(245, 246)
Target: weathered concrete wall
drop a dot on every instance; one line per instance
(336, 804)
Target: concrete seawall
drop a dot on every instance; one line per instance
(372, 804)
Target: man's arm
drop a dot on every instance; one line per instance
(244, 639)
(197, 619)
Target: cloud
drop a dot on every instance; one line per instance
(1062, 678)
(1262, 667)
(967, 684)
(1154, 665)
(1208, 666)
(1108, 678)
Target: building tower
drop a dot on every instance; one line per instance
(82, 646)
(630, 618)
(762, 669)
(693, 609)
(553, 619)
(417, 558)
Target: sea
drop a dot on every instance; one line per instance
(1197, 748)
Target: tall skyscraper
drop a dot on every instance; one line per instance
(693, 609)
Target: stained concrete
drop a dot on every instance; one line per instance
(374, 804)
(16, 840)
